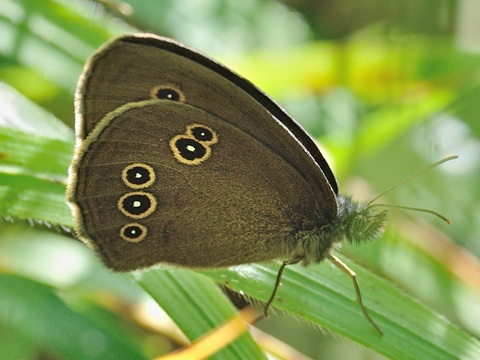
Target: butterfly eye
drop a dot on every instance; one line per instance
(167, 92)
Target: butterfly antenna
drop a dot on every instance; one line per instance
(422, 210)
(414, 175)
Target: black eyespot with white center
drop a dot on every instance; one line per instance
(133, 232)
(190, 149)
(167, 92)
(137, 205)
(138, 175)
(201, 133)
(194, 146)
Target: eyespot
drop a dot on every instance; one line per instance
(189, 149)
(133, 232)
(202, 133)
(167, 92)
(193, 147)
(137, 205)
(138, 175)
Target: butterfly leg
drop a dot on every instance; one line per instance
(285, 263)
(342, 266)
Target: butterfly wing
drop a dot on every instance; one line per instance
(163, 181)
(128, 68)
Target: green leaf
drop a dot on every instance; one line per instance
(36, 314)
(35, 152)
(178, 290)
(323, 295)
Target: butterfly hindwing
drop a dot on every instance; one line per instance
(219, 197)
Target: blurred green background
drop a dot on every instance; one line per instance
(386, 87)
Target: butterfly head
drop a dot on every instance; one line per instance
(359, 221)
